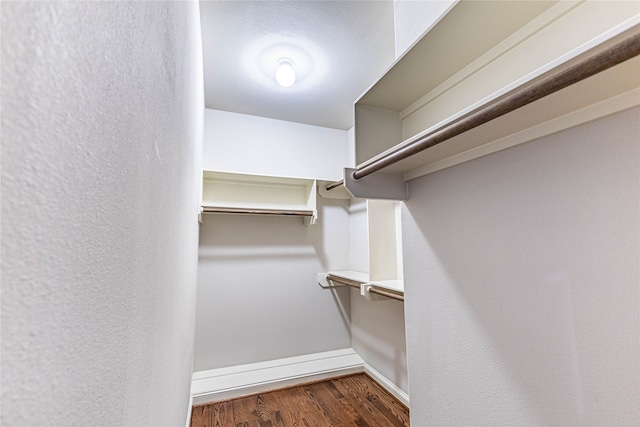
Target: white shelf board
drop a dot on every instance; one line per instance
(268, 195)
(472, 62)
(462, 35)
(355, 276)
(392, 285)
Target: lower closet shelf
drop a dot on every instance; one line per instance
(372, 290)
(354, 279)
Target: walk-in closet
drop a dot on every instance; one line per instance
(320, 213)
(323, 261)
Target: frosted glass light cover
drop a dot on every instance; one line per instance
(285, 74)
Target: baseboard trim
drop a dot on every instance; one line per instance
(387, 385)
(236, 381)
(227, 383)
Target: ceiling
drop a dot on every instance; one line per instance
(339, 48)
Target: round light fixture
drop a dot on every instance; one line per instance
(285, 74)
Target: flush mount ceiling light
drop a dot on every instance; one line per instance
(261, 59)
(285, 74)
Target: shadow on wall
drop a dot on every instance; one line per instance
(257, 289)
(521, 278)
(378, 335)
(255, 236)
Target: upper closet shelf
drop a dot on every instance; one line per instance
(482, 53)
(233, 193)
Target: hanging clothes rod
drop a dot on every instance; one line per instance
(344, 281)
(626, 49)
(385, 293)
(335, 185)
(250, 211)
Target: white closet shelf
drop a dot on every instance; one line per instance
(372, 290)
(353, 276)
(234, 193)
(383, 254)
(254, 211)
(391, 285)
(479, 53)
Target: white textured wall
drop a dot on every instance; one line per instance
(358, 236)
(101, 127)
(377, 327)
(414, 17)
(258, 298)
(258, 145)
(378, 335)
(522, 283)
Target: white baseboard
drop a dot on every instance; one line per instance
(228, 383)
(387, 385)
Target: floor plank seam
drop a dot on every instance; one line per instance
(343, 401)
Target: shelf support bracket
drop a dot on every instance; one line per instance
(381, 185)
(311, 220)
(328, 284)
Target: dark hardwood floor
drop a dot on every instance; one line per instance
(354, 400)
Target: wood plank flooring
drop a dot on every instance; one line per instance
(354, 400)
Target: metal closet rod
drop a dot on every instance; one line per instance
(626, 49)
(251, 211)
(335, 185)
(385, 293)
(342, 280)
(373, 289)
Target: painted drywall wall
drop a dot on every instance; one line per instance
(102, 109)
(258, 298)
(358, 236)
(258, 145)
(378, 335)
(414, 18)
(521, 281)
(377, 327)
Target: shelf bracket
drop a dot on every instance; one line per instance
(336, 190)
(311, 220)
(327, 284)
(381, 185)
